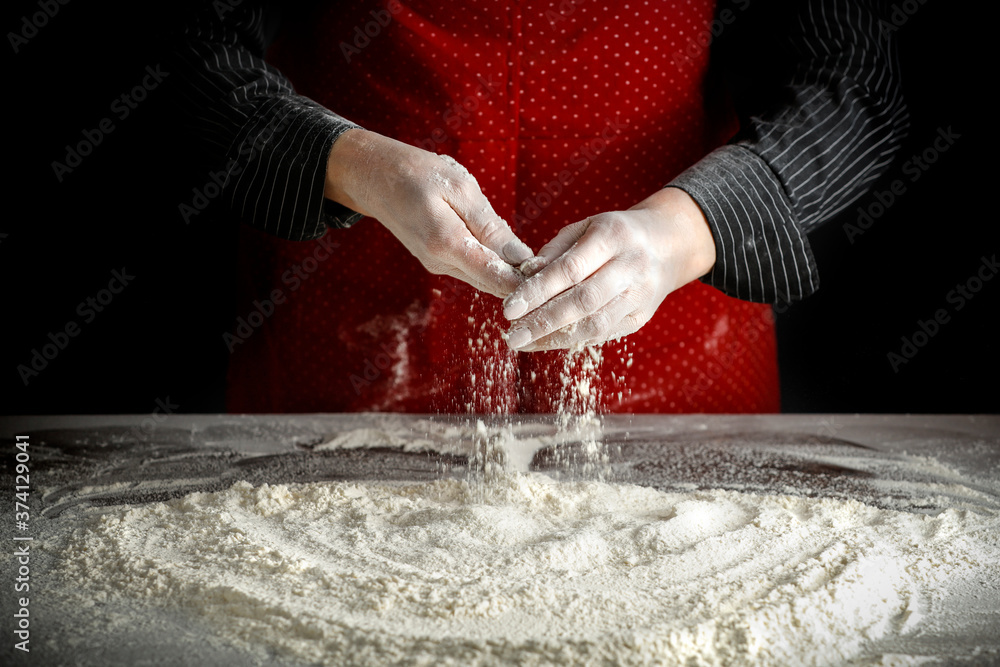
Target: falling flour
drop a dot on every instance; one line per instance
(531, 571)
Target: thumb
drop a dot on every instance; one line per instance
(563, 241)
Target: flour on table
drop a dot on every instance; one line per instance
(519, 441)
(531, 571)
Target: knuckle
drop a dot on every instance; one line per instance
(633, 322)
(598, 325)
(574, 267)
(465, 190)
(643, 260)
(492, 230)
(425, 199)
(587, 298)
(539, 325)
(640, 295)
(614, 226)
(428, 197)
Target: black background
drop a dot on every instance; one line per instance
(834, 345)
(160, 338)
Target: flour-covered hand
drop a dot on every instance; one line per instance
(603, 278)
(431, 204)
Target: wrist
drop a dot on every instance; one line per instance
(688, 236)
(345, 167)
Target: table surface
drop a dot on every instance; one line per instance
(843, 456)
(915, 463)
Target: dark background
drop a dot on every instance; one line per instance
(159, 340)
(834, 345)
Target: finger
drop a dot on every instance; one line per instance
(479, 266)
(578, 262)
(468, 201)
(532, 266)
(486, 287)
(493, 232)
(461, 275)
(572, 306)
(449, 247)
(562, 242)
(618, 318)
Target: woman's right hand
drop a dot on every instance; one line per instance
(431, 204)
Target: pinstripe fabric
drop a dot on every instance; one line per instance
(824, 137)
(274, 144)
(797, 164)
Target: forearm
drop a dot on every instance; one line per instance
(814, 142)
(248, 123)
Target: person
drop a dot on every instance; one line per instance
(691, 147)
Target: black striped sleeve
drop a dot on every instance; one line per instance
(248, 120)
(805, 151)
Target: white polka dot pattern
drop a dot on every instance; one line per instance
(559, 115)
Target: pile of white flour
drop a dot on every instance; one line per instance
(530, 571)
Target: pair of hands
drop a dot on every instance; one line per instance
(597, 280)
